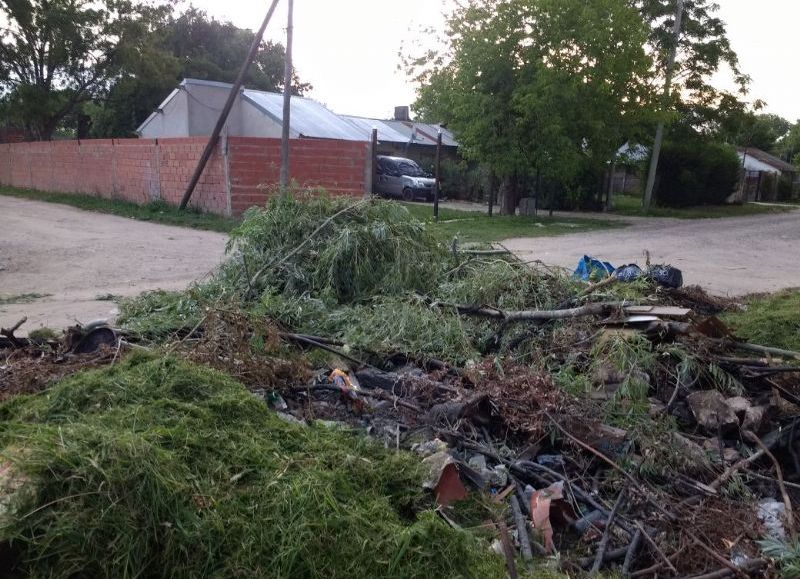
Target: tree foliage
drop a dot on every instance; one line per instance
(191, 45)
(547, 86)
(100, 67)
(57, 54)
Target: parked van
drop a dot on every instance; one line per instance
(402, 178)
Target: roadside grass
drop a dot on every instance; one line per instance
(632, 205)
(155, 212)
(7, 300)
(770, 319)
(480, 228)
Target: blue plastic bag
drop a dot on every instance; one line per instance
(591, 269)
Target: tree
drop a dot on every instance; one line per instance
(789, 146)
(689, 44)
(703, 50)
(547, 87)
(56, 55)
(191, 45)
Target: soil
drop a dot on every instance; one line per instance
(72, 257)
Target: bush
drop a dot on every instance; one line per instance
(696, 172)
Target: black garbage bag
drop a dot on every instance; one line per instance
(628, 272)
(666, 275)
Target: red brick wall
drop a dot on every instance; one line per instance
(142, 170)
(337, 166)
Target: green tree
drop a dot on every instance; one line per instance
(547, 87)
(703, 50)
(747, 129)
(56, 55)
(191, 45)
(789, 146)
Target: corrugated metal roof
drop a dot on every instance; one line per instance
(314, 120)
(422, 133)
(385, 132)
(309, 118)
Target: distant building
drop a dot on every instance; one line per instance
(766, 176)
(193, 108)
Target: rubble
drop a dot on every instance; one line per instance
(614, 421)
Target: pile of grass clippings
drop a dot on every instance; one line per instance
(364, 273)
(158, 468)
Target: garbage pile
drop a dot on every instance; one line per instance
(603, 421)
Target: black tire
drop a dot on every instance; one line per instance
(408, 194)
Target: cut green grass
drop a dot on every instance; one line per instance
(477, 227)
(772, 320)
(632, 205)
(159, 468)
(155, 212)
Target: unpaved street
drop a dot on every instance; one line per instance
(76, 256)
(69, 257)
(731, 256)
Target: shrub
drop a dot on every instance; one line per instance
(696, 172)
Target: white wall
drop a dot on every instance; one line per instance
(254, 123)
(172, 121)
(753, 164)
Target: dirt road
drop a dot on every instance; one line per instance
(70, 257)
(731, 256)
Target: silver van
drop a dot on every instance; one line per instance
(402, 178)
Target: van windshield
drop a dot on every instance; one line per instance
(410, 168)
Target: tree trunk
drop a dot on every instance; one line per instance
(509, 194)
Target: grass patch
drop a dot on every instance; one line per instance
(772, 320)
(7, 300)
(632, 205)
(155, 212)
(476, 227)
(159, 468)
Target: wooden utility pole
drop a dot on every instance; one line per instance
(673, 52)
(226, 110)
(287, 100)
(438, 176)
(373, 159)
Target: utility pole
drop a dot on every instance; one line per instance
(438, 176)
(287, 101)
(673, 52)
(226, 110)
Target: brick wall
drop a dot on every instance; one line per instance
(337, 166)
(239, 174)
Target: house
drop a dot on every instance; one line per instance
(767, 177)
(192, 110)
(627, 168)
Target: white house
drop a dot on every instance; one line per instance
(192, 110)
(763, 173)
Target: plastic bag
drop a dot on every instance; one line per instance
(666, 275)
(591, 269)
(628, 272)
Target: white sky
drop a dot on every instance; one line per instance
(349, 49)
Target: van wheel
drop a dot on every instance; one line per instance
(408, 194)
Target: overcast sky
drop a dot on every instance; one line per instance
(348, 49)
